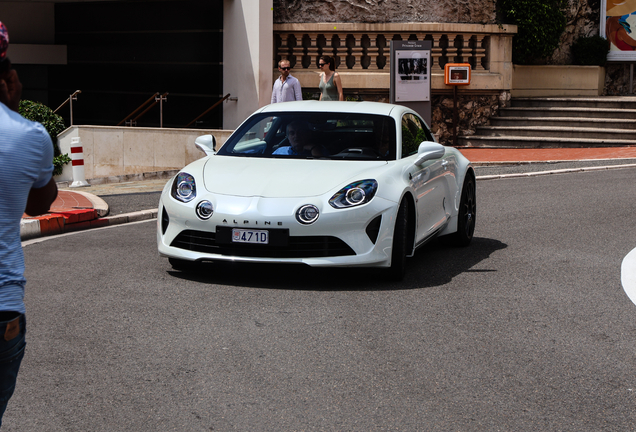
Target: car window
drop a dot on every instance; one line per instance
(300, 135)
(414, 132)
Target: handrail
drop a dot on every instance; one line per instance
(70, 100)
(157, 98)
(139, 108)
(208, 110)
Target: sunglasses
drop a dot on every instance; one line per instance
(321, 64)
(286, 68)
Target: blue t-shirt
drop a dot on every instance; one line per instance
(26, 161)
(285, 150)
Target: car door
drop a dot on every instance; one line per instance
(428, 181)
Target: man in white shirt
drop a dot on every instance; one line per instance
(286, 87)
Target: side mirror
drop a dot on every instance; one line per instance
(206, 144)
(429, 150)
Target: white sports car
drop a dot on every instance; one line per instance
(336, 184)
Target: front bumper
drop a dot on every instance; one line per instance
(357, 236)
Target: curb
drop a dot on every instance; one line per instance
(99, 204)
(560, 171)
(76, 220)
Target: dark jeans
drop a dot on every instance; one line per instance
(12, 343)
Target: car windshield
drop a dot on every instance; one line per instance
(314, 135)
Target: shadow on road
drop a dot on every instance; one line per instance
(433, 265)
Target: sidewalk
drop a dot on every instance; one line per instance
(76, 209)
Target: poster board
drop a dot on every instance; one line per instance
(411, 71)
(618, 25)
(410, 67)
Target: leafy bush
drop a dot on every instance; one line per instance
(54, 125)
(590, 50)
(540, 25)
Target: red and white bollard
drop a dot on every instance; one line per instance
(77, 160)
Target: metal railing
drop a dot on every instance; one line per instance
(227, 96)
(69, 101)
(131, 119)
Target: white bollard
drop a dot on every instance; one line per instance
(77, 160)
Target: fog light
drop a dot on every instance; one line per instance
(307, 214)
(205, 210)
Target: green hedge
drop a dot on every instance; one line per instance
(540, 25)
(54, 125)
(590, 50)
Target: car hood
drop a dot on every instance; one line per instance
(282, 178)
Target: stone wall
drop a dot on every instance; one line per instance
(472, 111)
(384, 11)
(583, 19)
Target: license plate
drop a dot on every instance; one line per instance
(250, 236)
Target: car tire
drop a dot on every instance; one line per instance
(182, 265)
(398, 250)
(467, 216)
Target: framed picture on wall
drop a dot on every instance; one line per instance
(618, 25)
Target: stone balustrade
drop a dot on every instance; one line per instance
(361, 49)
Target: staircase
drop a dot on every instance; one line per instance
(603, 121)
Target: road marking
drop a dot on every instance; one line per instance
(559, 171)
(51, 237)
(628, 275)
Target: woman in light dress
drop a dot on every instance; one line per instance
(330, 84)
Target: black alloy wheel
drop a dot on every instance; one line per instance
(467, 212)
(398, 251)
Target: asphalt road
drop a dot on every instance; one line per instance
(528, 329)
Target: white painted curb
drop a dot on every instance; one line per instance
(29, 228)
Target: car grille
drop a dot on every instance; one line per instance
(297, 247)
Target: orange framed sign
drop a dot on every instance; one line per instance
(457, 74)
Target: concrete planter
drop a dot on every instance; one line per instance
(557, 80)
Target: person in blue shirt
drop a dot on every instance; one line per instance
(26, 166)
(301, 142)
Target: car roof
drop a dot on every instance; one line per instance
(335, 106)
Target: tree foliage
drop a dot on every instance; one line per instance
(54, 125)
(540, 24)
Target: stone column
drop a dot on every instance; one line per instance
(312, 50)
(283, 49)
(373, 51)
(478, 51)
(298, 51)
(465, 52)
(357, 51)
(451, 50)
(342, 51)
(436, 52)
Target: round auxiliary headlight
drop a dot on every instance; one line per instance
(205, 210)
(307, 214)
(355, 196)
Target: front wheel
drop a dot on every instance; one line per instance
(398, 251)
(467, 213)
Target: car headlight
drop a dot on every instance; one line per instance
(184, 188)
(354, 194)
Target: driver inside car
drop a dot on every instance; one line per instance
(302, 143)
